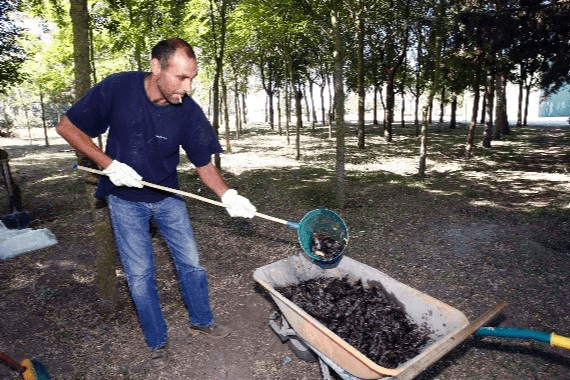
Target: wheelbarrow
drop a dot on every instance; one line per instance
(306, 336)
(448, 326)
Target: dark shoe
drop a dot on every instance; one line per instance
(215, 331)
(159, 357)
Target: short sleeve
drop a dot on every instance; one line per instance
(201, 140)
(90, 113)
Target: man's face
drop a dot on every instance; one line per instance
(175, 80)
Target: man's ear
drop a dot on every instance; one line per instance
(155, 66)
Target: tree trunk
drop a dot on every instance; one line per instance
(403, 110)
(484, 107)
(427, 107)
(390, 100)
(520, 99)
(499, 106)
(267, 83)
(453, 116)
(238, 116)
(106, 251)
(313, 109)
(226, 116)
(307, 109)
(219, 60)
(244, 109)
(442, 105)
(331, 106)
(475, 111)
(527, 98)
(299, 124)
(80, 19)
(417, 113)
(505, 126)
(287, 113)
(360, 78)
(339, 104)
(375, 106)
(489, 95)
(42, 106)
(271, 111)
(298, 106)
(323, 109)
(216, 108)
(279, 114)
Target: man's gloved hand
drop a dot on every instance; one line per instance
(238, 205)
(123, 175)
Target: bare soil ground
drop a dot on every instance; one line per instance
(471, 233)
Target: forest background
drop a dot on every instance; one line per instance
(297, 50)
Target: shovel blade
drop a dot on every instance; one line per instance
(16, 220)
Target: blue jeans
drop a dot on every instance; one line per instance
(131, 227)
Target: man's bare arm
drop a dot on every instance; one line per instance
(82, 142)
(213, 179)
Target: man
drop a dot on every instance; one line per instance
(149, 117)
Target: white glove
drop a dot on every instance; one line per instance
(123, 175)
(238, 205)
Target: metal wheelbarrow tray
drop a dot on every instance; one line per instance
(448, 326)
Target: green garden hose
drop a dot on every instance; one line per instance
(541, 336)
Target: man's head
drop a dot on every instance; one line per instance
(164, 50)
(173, 67)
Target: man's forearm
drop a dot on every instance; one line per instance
(82, 142)
(212, 178)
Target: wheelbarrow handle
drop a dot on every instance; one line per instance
(191, 195)
(457, 338)
(12, 363)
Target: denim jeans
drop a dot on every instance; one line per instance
(131, 227)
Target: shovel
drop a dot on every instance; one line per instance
(319, 221)
(16, 219)
(28, 369)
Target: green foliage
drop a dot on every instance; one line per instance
(272, 35)
(12, 55)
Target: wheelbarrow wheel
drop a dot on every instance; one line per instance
(301, 350)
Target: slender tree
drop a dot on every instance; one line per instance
(361, 88)
(106, 252)
(436, 39)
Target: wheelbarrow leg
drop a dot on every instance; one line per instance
(324, 369)
(327, 365)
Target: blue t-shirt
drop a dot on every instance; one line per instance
(142, 134)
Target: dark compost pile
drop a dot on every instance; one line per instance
(325, 246)
(367, 319)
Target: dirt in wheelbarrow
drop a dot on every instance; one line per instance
(366, 318)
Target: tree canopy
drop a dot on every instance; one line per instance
(12, 54)
(289, 44)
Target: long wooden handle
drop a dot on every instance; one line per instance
(12, 363)
(191, 195)
(441, 350)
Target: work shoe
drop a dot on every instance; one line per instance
(159, 357)
(215, 331)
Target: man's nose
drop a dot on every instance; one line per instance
(187, 86)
